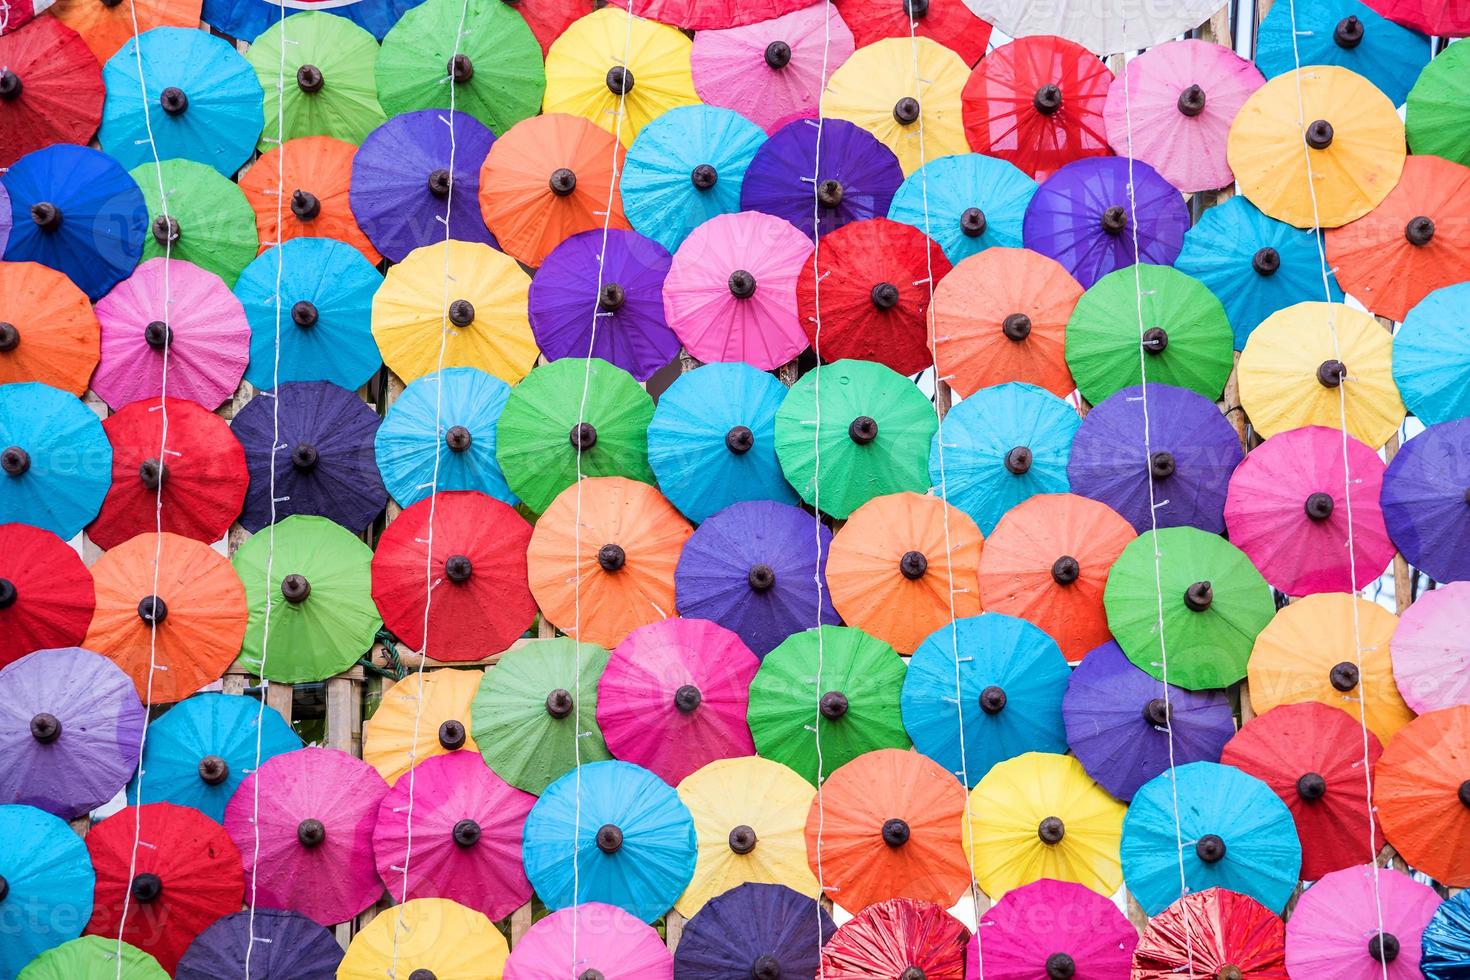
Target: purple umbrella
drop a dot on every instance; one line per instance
(324, 458)
(1118, 724)
(402, 184)
(858, 177)
(1194, 449)
(1426, 501)
(70, 726)
(623, 294)
(1081, 217)
(753, 930)
(752, 568)
(288, 946)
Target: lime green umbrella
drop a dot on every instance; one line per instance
(1213, 604)
(93, 958)
(1187, 340)
(328, 74)
(209, 220)
(531, 716)
(852, 702)
(873, 438)
(1435, 120)
(322, 617)
(545, 422)
(498, 76)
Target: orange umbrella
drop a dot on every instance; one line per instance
(192, 595)
(618, 573)
(894, 564)
(49, 333)
(315, 174)
(1001, 315)
(1047, 561)
(105, 27)
(548, 178)
(1423, 794)
(889, 825)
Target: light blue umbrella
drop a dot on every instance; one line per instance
(48, 882)
(1254, 265)
(712, 441)
(323, 331)
(1446, 941)
(974, 202)
(1011, 678)
(684, 168)
(1002, 445)
(55, 460)
(1431, 356)
(197, 99)
(468, 402)
(1236, 834)
(1388, 55)
(628, 833)
(202, 748)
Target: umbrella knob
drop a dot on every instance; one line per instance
(1229, 972)
(916, 8)
(559, 703)
(10, 85)
(895, 832)
(213, 770)
(461, 313)
(583, 436)
(833, 705)
(912, 973)
(993, 700)
(619, 80)
(829, 193)
(609, 838)
(15, 461)
(425, 974)
(611, 557)
(1114, 220)
(8, 593)
(1156, 712)
(1051, 830)
(1155, 340)
(45, 728)
(1420, 231)
(165, 229)
(739, 440)
(703, 177)
(1319, 506)
(4, 888)
(466, 833)
(1048, 100)
(742, 284)
(441, 181)
(563, 182)
(458, 569)
(972, 222)
(9, 337)
(452, 735)
(1060, 966)
(158, 335)
(295, 589)
(461, 69)
(152, 473)
(1344, 677)
(687, 698)
(1464, 793)
(1210, 849)
(152, 610)
(1266, 261)
(1161, 465)
(311, 832)
(305, 205)
(309, 79)
(884, 296)
(458, 438)
(913, 565)
(863, 430)
(1311, 786)
(1065, 570)
(1319, 134)
(765, 968)
(778, 54)
(146, 887)
(591, 975)
(1384, 947)
(1348, 33)
(1199, 596)
(1331, 373)
(610, 297)
(1192, 101)
(1016, 327)
(906, 111)
(742, 839)
(761, 577)
(109, 4)
(304, 314)
(46, 215)
(173, 100)
(1019, 460)
(305, 457)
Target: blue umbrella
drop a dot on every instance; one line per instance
(753, 930)
(76, 210)
(248, 19)
(1002, 445)
(202, 748)
(321, 330)
(1236, 835)
(1011, 679)
(47, 883)
(1254, 265)
(630, 835)
(279, 945)
(468, 403)
(684, 168)
(55, 460)
(712, 441)
(1431, 356)
(973, 202)
(1446, 941)
(1344, 33)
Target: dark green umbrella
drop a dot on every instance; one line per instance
(209, 222)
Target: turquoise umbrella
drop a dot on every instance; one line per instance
(55, 460)
(1431, 356)
(1345, 33)
(967, 203)
(47, 880)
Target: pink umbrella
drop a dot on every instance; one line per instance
(610, 944)
(674, 695)
(1052, 929)
(466, 845)
(1288, 505)
(207, 336)
(731, 292)
(1431, 649)
(1333, 934)
(1180, 100)
(311, 848)
(771, 70)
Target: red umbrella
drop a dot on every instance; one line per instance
(549, 18)
(1038, 102)
(949, 22)
(1213, 933)
(900, 939)
(1429, 16)
(202, 475)
(46, 594)
(875, 286)
(50, 89)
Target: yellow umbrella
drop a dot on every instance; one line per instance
(603, 57)
(1354, 146)
(1040, 815)
(1306, 653)
(895, 87)
(439, 701)
(436, 937)
(481, 314)
(1308, 363)
(750, 823)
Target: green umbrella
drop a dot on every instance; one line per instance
(1214, 602)
(1435, 120)
(322, 617)
(876, 426)
(527, 718)
(328, 73)
(209, 219)
(497, 70)
(852, 702)
(93, 958)
(544, 422)
(1187, 339)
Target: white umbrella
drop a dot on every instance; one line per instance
(1102, 26)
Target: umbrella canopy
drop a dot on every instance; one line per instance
(53, 331)
(51, 596)
(1431, 664)
(1052, 929)
(310, 579)
(105, 29)
(57, 461)
(1104, 29)
(317, 173)
(1356, 923)
(93, 958)
(604, 939)
(1423, 500)
(421, 717)
(1420, 785)
(1446, 951)
(57, 93)
(273, 941)
(1212, 932)
(214, 211)
(966, 202)
(1346, 33)
(750, 926)
(699, 15)
(332, 61)
(948, 22)
(1428, 356)
(48, 873)
(413, 936)
(1433, 127)
(897, 937)
(1189, 592)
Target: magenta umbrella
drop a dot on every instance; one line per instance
(1052, 929)
(466, 842)
(207, 337)
(1334, 932)
(304, 825)
(609, 943)
(674, 697)
(1431, 649)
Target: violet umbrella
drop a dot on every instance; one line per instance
(754, 930)
(754, 569)
(590, 941)
(276, 944)
(1052, 929)
(1360, 923)
(1426, 501)
(1431, 649)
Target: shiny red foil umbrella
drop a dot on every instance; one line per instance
(1214, 933)
(898, 939)
(875, 285)
(201, 473)
(50, 89)
(46, 594)
(949, 22)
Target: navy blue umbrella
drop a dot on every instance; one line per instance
(753, 930)
(288, 946)
(245, 20)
